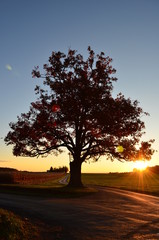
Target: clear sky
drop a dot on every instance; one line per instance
(126, 30)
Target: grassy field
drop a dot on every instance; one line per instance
(48, 183)
(30, 183)
(146, 181)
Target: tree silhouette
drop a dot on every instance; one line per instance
(75, 110)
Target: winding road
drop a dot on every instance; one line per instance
(108, 214)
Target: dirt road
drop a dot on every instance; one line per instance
(109, 214)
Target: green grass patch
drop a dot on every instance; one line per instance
(12, 227)
(146, 181)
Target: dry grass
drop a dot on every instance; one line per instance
(20, 177)
(13, 227)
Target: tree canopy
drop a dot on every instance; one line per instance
(75, 109)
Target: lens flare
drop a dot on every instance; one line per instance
(120, 149)
(55, 108)
(8, 67)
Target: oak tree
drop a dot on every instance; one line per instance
(75, 110)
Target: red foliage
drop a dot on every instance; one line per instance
(77, 111)
(55, 108)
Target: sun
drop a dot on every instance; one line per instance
(140, 165)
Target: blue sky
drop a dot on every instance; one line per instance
(126, 30)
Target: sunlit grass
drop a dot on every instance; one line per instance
(144, 181)
(141, 181)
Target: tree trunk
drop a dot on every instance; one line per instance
(75, 174)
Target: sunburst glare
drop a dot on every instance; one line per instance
(140, 165)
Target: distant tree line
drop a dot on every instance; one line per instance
(5, 169)
(59, 169)
(154, 169)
